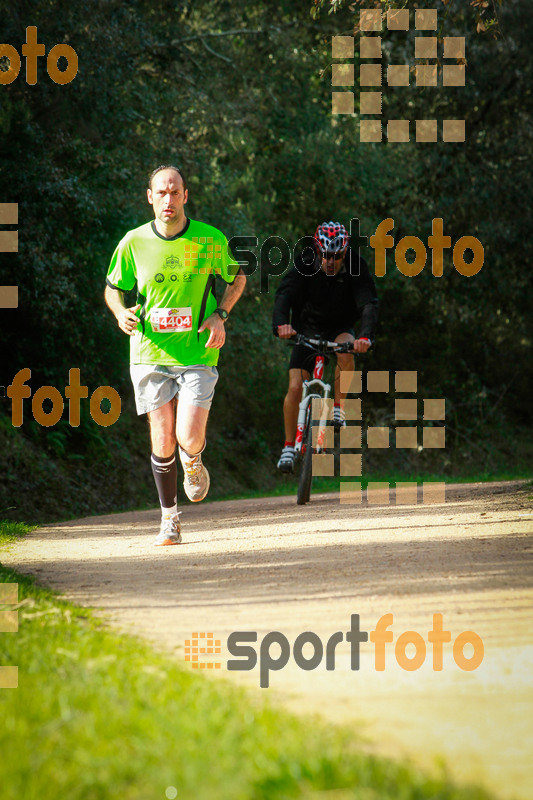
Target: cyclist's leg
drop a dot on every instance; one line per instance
(345, 362)
(292, 401)
(302, 361)
(287, 459)
(297, 375)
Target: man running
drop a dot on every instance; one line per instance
(176, 330)
(322, 298)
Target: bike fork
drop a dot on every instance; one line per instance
(302, 413)
(300, 426)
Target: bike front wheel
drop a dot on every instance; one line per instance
(306, 472)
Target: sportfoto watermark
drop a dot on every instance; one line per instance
(247, 657)
(380, 242)
(426, 68)
(32, 50)
(74, 391)
(402, 436)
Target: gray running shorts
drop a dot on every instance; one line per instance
(156, 385)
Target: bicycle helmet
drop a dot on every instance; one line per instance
(330, 237)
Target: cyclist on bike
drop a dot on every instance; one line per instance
(323, 297)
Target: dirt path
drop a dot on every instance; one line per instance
(269, 565)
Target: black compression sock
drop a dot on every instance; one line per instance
(165, 474)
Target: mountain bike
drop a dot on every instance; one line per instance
(313, 389)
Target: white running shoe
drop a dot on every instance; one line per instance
(339, 417)
(287, 459)
(170, 532)
(196, 479)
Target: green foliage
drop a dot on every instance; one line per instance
(483, 9)
(245, 108)
(11, 531)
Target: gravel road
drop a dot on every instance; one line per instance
(269, 565)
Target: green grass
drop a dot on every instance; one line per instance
(101, 716)
(290, 484)
(11, 531)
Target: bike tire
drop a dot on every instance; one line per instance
(306, 472)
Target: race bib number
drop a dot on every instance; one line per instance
(171, 320)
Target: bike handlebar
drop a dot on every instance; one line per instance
(322, 345)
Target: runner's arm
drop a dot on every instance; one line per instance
(213, 323)
(232, 292)
(127, 321)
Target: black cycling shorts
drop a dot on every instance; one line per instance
(303, 357)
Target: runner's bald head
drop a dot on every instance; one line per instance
(166, 166)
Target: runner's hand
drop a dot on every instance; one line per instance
(361, 345)
(217, 335)
(286, 331)
(127, 321)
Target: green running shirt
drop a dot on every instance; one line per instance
(175, 285)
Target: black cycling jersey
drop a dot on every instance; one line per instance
(313, 302)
